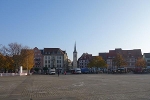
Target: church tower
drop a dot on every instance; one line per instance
(75, 57)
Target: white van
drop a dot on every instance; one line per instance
(77, 71)
(52, 71)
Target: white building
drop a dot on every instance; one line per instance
(55, 58)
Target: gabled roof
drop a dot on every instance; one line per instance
(85, 56)
(52, 51)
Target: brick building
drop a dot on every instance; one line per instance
(130, 56)
(38, 58)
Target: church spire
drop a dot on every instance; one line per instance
(75, 47)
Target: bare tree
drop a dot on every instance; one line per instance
(15, 48)
(4, 51)
(21, 55)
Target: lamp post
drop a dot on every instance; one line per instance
(53, 62)
(27, 63)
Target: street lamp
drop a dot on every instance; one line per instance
(53, 62)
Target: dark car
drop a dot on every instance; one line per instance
(121, 70)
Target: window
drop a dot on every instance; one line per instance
(148, 64)
(58, 61)
(45, 65)
(58, 57)
(45, 61)
(48, 61)
(48, 57)
(58, 65)
(132, 64)
(45, 57)
(133, 59)
(148, 60)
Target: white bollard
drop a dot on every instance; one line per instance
(20, 70)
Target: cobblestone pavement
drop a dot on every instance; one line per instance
(76, 87)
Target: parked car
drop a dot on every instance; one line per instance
(121, 70)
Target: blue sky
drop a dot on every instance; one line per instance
(95, 25)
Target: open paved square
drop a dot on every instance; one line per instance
(76, 87)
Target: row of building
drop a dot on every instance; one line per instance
(57, 58)
(130, 56)
(54, 58)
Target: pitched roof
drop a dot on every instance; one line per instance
(85, 56)
(52, 51)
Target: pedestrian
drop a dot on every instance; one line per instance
(65, 72)
(58, 73)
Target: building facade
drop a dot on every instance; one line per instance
(84, 60)
(130, 57)
(55, 58)
(38, 58)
